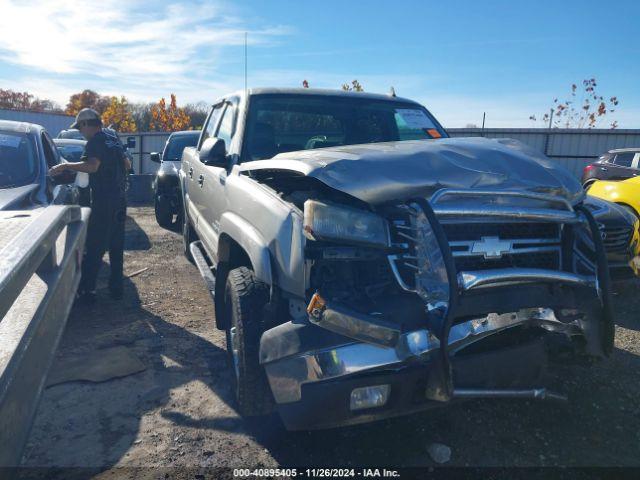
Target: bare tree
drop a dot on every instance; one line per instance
(26, 101)
(355, 86)
(197, 114)
(141, 113)
(586, 109)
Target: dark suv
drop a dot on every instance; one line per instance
(618, 164)
(165, 185)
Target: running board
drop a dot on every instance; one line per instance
(197, 253)
(533, 393)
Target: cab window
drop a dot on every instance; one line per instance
(212, 123)
(225, 132)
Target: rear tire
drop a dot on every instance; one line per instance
(244, 301)
(587, 185)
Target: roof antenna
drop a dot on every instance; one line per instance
(245, 64)
(392, 92)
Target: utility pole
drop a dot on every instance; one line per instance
(546, 142)
(245, 63)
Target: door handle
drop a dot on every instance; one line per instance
(604, 169)
(200, 180)
(191, 172)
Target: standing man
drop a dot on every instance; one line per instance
(105, 162)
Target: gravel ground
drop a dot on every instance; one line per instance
(179, 412)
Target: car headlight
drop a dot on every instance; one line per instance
(331, 222)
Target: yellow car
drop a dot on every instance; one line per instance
(625, 193)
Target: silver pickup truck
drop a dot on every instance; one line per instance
(365, 265)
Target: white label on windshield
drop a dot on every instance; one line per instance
(9, 140)
(415, 118)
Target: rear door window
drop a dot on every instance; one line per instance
(624, 159)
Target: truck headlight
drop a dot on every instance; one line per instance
(331, 222)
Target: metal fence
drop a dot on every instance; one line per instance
(572, 148)
(53, 122)
(146, 143)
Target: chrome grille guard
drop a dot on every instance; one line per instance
(563, 215)
(440, 383)
(465, 281)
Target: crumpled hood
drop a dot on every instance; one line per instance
(14, 198)
(381, 172)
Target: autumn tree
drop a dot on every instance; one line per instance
(87, 99)
(586, 109)
(26, 101)
(118, 115)
(168, 119)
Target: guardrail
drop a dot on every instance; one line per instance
(39, 274)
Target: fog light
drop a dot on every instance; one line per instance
(370, 397)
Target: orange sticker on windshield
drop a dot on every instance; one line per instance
(434, 133)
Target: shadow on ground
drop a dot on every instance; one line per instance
(135, 237)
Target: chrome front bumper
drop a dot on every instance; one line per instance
(287, 375)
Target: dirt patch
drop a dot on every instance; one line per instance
(180, 411)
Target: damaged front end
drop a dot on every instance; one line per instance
(468, 294)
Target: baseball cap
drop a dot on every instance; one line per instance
(84, 115)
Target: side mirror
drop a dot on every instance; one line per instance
(155, 157)
(65, 178)
(131, 142)
(214, 152)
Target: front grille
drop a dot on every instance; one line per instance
(546, 260)
(486, 243)
(523, 245)
(513, 230)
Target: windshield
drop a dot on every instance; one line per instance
(175, 146)
(71, 152)
(285, 123)
(18, 159)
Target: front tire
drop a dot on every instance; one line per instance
(244, 301)
(164, 215)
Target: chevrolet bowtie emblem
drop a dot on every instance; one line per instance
(491, 247)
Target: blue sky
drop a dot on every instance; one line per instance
(459, 58)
